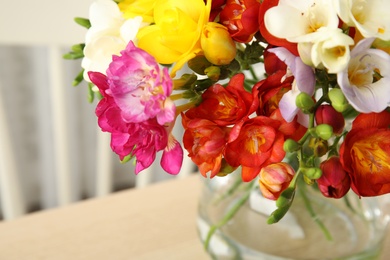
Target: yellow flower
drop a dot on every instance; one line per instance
(217, 45)
(133, 8)
(175, 36)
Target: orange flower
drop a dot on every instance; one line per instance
(258, 144)
(365, 154)
(274, 179)
(205, 142)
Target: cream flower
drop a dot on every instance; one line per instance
(293, 19)
(108, 35)
(371, 17)
(327, 47)
(366, 81)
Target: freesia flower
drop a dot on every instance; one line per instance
(369, 17)
(274, 179)
(109, 34)
(304, 82)
(142, 140)
(241, 18)
(334, 181)
(293, 19)
(365, 154)
(226, 106)
(327, 47)
(366, 81)
(133, 8)
(272, 39)
(258, 144)
(205, 142)
(175, 36)
(140, 88)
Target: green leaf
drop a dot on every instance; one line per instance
(91, 93)
(79, 78)
(73, 56)
(83, 22)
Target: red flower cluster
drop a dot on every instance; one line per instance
(221, 128)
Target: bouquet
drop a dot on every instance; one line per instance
(285, 91)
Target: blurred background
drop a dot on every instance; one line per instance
(51, 150)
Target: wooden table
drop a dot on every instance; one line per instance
(157, 222)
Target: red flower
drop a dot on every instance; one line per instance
(265, 5)
(225, 106)
(335, 181)
(240, 17)
(205, 142)
(270, 90)
(272, 63)
(258, 144)
(216, 8)
(365, 154)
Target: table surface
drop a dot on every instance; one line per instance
(156, 222)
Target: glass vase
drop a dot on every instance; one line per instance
(315, 227)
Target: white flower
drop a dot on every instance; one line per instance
(108, 35)
(293, 19)
(370, 17)
(327, 47)
(366, 81)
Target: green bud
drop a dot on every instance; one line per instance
(199, 64)
(185, 81)
(304, 101)
(286, 197)
(324, 131)
(338, 100)
(312, 173)
(290, 146)
(213, 72)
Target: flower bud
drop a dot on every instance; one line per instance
(213, 72)
(334, 182)
(304, 101)
(319, 146)
(274, 179)
(312, 173)
(324, 131)
(338, 100)
(217, 45)
(326, 114)
(184, 82)
(290, 145)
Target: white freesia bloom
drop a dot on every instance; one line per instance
(366, 81)
(327, 47)
(109, 34)
(293, 19)
(370, 17)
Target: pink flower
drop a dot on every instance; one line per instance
(139, 87)
(141, 139)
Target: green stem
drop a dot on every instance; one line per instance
(314, 215)
(232, 212)
(231, 190)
